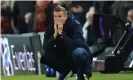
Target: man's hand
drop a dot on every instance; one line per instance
(60, 27)
(27, 17)
(55, 30)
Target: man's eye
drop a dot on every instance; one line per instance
(59, 16)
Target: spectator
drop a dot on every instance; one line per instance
(103, 7)
(130, 21)
(120, 8)
(20, 10)
(85, 5)
(42, 17)
(87, 28)
(77, 11)
(6, 16)
(130, 15)
(65, 4)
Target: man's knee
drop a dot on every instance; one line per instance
(79, 52)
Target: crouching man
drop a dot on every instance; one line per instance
(65, 48)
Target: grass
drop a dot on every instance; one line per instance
(96, 76)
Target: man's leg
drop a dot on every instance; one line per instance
(82, 61)
(88, 67)
(64, 76)
(54, 62)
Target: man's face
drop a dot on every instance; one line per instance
(130, 15)
(60, 17)
(90, 18)
(40, 3)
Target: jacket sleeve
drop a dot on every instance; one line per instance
(48, 42)
(128, 5)
(15, 14)
(76, 40)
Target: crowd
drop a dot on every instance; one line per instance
(29, 16)
(19, 17)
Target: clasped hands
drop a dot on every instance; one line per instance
(58, 28)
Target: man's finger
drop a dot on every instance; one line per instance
(60, 24)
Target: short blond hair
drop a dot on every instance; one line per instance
(60, 8)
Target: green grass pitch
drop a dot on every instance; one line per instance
(96, 76)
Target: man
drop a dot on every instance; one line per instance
(77, 11)
(6, 17)
(130, 19)
(65, 48)
(130, 15)
(120, 8)
(87, 28)
(21, 11)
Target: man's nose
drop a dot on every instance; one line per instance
(58, 18)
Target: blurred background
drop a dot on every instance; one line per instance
(107, 29)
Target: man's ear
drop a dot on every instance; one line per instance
(66, 17)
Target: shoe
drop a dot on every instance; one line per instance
(88, 77)
(88, 72)
(68, 75)
(65, 76)
(80, 77)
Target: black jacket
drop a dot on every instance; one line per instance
(20, 8)
(72, 37)
(120, 8)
